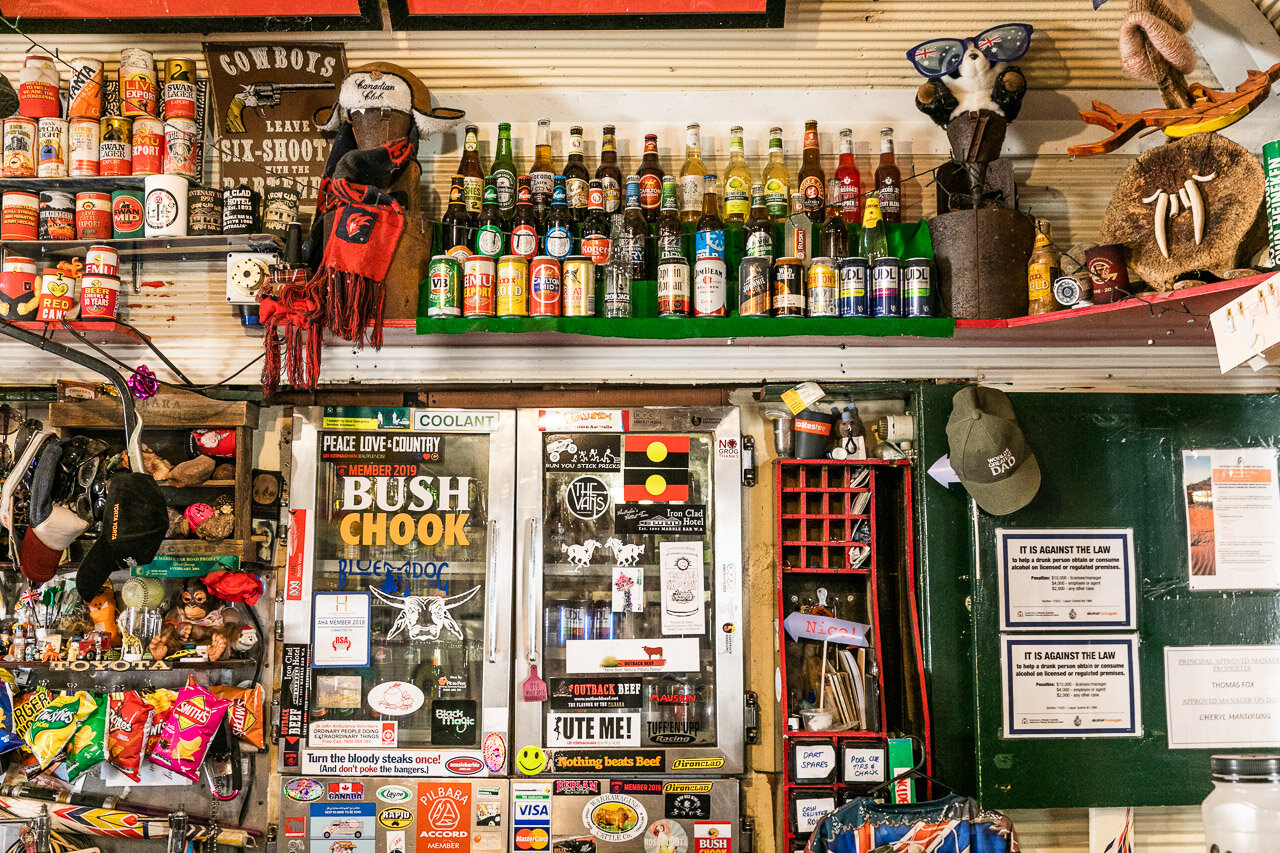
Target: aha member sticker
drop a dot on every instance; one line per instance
(614, 817)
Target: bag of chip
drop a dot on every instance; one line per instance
(127, 721)
(161, 702)
(9, 738)
(28, 707)
(54, 727)
(189, 730)
(89, 746)
(245, 713)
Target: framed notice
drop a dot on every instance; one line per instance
(1222, 697)
(340, 629)
(1066, 579)
(1066, 686)
(187, 16)
(583, 14)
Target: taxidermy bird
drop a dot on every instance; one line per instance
(973, 74)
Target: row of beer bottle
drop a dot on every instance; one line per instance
(845, 190)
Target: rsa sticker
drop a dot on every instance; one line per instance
(464, 765)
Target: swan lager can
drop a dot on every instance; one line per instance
(180, 89)
(115, 146)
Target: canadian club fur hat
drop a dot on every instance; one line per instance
(386, 86)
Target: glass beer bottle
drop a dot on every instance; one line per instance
(889, 179)
(541, 175)
(650, 174)
(670, 231)
(691, 174)
(608, 173)
(759, 226)
(737, 180)
(813, 181)
(776, 179)
(455, 224)
(503, 172)
(575, 177)
(850, 179)
(471, 170)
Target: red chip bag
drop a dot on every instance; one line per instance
(127, 732)
(245, 713)
(161, 702)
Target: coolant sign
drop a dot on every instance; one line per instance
(454, 420)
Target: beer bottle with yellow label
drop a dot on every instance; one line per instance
(1043, 270)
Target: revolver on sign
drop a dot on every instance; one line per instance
(262, 96)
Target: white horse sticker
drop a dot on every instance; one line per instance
(424, 617)
(580, 555)
(625, 555)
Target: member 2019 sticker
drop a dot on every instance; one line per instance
(614, 817)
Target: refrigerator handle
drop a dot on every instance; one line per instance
(491, 599)
(535, 591)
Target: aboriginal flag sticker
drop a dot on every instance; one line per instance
(655, 468)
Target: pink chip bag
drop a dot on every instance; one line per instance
(194, 719)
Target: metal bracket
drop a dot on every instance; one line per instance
(748, 461)
(747, 831)
(750, 718)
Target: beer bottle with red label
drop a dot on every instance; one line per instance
(850, 179)
(813, 181)
(595, 230)
(650, 173)
(524, 225)
(608, 173)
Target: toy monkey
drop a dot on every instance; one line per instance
(198, 617)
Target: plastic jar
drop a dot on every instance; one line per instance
(1242, 814)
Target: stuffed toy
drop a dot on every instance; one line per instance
(198, 617)
(368, 199)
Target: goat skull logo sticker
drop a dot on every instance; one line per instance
(425, 617)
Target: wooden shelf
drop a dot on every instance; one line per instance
(98, 331)
(149, 248)
(129, 666)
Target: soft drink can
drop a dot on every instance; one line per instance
(38, 87)
(478, 275)
(84, 91)
(820, 290)
(710, 287)
(57, 215)
(578, 286)
(20, 147)
(753, 286)
(673, 288)
(886, 287)
(148, 145)
(513, 286)
(53, 136)
(444, 278)
(544, 287)
(138, 89)
(180, 89)
(917, 288)
(788, 287)
(20, 217)
(83, 147)
(93, 216)
(854, 273)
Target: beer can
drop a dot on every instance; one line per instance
(709, 243)
(567, 620)
(917, 288)
(444, 278)
(788, 287)
(513, 286)
(164, 208)
(127, 220)
(886, 287)
(673, 288)
(148, 146)
(115, 146)
(820, 289)
(137, 82)
(478, 276)
(753, 286)
(544, 286)
(204, 212)
(38, 87)
(855, 274)
(83, 147)
(180, 148)
(710, 287)
(57, 216)
(93, 216)
(101, 260)
(617, 290)
(57, 296)
(179, 89)
(19, 288)
(578, 286)
(84, 91)
(239, 210)
(52, 134)
(20, 147)
(99, 297)
(279, 208)
(19, 216)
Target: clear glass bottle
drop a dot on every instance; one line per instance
(776, 179)
(691, 175)
(737, 180)
(834, 240)
(873, 243)
(798, 230)
(542, 174)
(618, 278)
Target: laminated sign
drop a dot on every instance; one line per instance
(682, 587)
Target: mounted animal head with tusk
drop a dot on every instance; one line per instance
(1169, 203)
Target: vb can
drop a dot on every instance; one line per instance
(578, 286)
(83, 147)
(20, 216)
(513, 286)
(127, 216)
(57, 216)
(478, 275)
(52, 135)
(137, 82)
(84, 91)
(886, 287)
(38, 87)
(788, 287)
(101, 260)
(115, 146)
(204, 212)
(673, 288)
(444, 278)
(917, 288)
(20, 147)
(820, 289)
(544, 286)
(854, 275)
(710, 287)
(180, 148)
(148, 145)
(239, 210)
(753, 286)
(93, 216)
(179, 89)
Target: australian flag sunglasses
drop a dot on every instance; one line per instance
(940, 57)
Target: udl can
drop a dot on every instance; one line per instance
(820, 288)
(19, 216)
(101, 260)
(148, 145)
(886, 287)
(753, 286)
(710, 287)
(478, 276)
(93, 216)
(127, 219)
(52, 136)
(673, 288)
(513, 286)
(57, 216)
(181, 146)
(544, 287)
(578, 286)
(84, 147)
(444, 278)
(84, 91)
(239, 210)
(57, 296)
(99, 297)
(917, 288)
(115, 146)
(38, 87)
(179, 89)
(204, 212)
(788, 287)
(137, 82)
(855, 275)
(19, 288)
(20, 147)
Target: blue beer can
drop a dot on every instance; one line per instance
(917, 288)
(854, 299)
(886, 287)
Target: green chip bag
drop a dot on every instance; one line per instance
(89, 745)
(52, 729)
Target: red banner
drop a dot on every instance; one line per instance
(587, 7)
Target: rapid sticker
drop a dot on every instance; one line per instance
(395, 818)
(614, 817)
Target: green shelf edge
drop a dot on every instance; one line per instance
(676, 328)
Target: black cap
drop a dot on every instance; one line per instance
(1255, 767)
(133, 526)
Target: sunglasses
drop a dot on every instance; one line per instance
(940, 57)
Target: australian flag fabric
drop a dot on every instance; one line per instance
(952, 824)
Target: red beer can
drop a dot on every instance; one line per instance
(93, 216)
(544, 286)
(479, 274)
(148, 145)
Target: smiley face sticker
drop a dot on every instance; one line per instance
(531, 760)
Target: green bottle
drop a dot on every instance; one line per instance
(490, 238)
(503, 172)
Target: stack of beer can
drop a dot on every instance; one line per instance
(52, 294)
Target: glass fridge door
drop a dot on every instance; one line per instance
(629, 601)
(403, 593)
